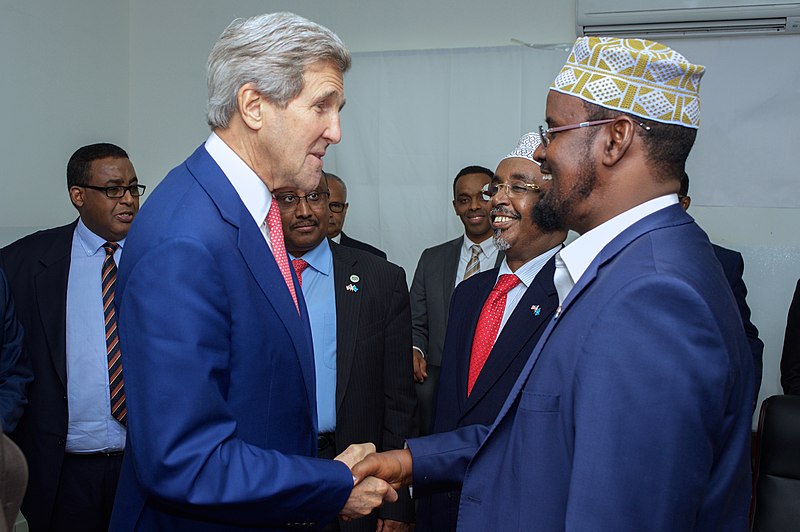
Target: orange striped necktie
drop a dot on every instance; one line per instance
(474, 264)
(116, 384)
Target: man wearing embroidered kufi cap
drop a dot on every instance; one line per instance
(633, 411)
(496, 316)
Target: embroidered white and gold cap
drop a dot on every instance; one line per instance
(636, 76)
(525, 147)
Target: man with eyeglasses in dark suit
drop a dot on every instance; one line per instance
(62, 280)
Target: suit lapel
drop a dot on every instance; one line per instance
(260, 261)
(449, 273)
(670, 216)
(521, 326)
(348, 307)
(51, 298)
(484, 284)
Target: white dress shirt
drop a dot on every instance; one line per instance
(582, 251)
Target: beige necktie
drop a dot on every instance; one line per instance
(474, 264)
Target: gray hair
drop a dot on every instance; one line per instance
(272, 51)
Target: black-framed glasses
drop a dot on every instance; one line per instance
(117, 192)
(337, 206)
(513, 191)
(545, 135)
(287, 200)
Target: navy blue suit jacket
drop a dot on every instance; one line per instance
(219, 371)
(15, 366)
(514, 345)
(632, 413)
(733, 266)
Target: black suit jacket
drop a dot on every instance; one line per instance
(346, 241)
(37, 267)
(733, 266)
(15, 365)
(790, 359)
(375, 399)
(514, 345)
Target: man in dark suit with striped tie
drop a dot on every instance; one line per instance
(63, 280)
(361, 330)
(439, 270)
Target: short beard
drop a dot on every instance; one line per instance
(500, 243)
(551, 213)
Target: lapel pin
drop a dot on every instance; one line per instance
(352, 288)
(536, 310)
(354, 278)
(558, 311)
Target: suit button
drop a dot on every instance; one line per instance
(61, 442)
(450, 496)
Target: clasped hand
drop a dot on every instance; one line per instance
(368, 492)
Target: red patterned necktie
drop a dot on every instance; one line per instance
(488, 326)
(279, 248)
(299, 266)
(116, 384)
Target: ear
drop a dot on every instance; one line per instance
(620, 137)
(250, 102)
(76, 196)
(685, 201)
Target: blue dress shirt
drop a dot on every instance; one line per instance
(91, 427)
(318, 291)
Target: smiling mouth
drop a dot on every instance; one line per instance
(502, 221)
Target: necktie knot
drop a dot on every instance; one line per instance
(110, 247)
(506, 282)
(474, 264)
(299, 266)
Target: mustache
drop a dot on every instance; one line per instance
(304, 223)
(505, 212)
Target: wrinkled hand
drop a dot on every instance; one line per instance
(355, 453)
(367, 495)
(388, 525)
(392, 466)
(420, 366)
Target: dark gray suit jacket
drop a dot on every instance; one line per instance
(375, 399)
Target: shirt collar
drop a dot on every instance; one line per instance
(487, 246)
(251, 190)
(89, 241)
(320, 258)
(581, 252)
(528, 271)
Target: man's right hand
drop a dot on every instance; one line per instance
(367, 495)
(420, 366)
(392, 466)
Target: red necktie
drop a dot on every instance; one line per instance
(488, 326)
(279, 248)
(116, 384)
(299, 266)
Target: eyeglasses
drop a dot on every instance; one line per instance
(117, 192)
(512, 191)
(546, 135)
(336, 206)
(287, 201)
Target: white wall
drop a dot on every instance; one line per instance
(133, 73)
(65, 83)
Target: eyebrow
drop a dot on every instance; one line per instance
(517, 176)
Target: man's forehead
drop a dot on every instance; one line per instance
(516, 168)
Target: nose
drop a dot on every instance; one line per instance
(303, 209)
(476, 203)
(501, 198)
(333, 133)
(539, 154)
(127, 197)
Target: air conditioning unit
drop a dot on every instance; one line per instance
(686, 18)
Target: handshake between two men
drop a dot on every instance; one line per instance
(376, 476)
